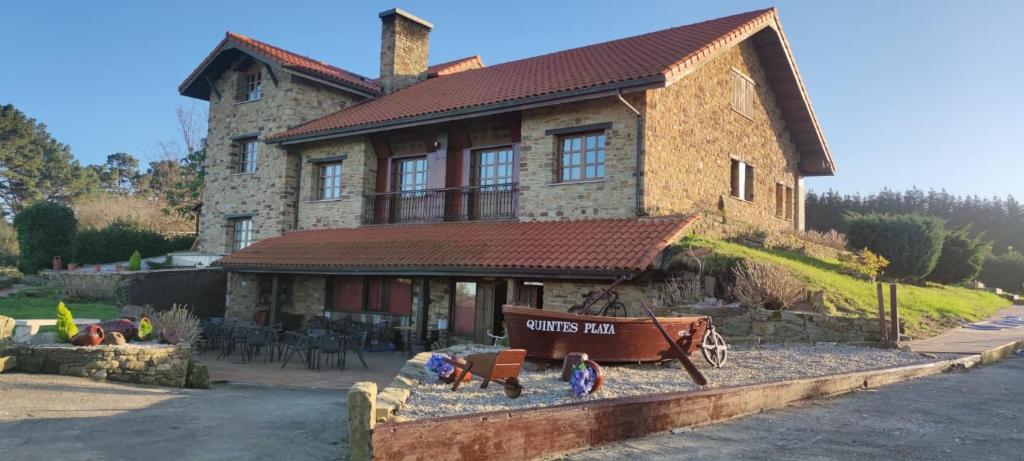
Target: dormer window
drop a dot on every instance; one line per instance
(253, 86)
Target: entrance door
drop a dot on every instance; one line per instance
(484, 313)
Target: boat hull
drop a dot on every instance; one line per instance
(551, 335)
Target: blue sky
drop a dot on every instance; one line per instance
(908, 93)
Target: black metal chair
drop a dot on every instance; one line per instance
(379, 337)
(295, 344)
(261, 341)
(330, 344)
(355, 343)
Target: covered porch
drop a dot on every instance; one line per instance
(435, 285)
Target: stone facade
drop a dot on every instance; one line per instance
(358, 177)
(542, 197)
(243, 295)
(561, 295)
(692, 135)
(268, 195)
(157, 364)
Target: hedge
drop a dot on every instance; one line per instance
(1004, 271)
(911, 243)
(961, 259)
(45, 230)
(120, 239)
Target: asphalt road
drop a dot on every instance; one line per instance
(46, 417)
(978, 414)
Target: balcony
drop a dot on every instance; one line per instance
(472, 203)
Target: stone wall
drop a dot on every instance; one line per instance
(269, 193)
(243, 292)
(751, 325)
(157, 364)
(307, 295)
(692, 134)
(541, 197)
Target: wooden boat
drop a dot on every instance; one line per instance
(551, 335)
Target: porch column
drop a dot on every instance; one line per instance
(510, 292)
(273, 300)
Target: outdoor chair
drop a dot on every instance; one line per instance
(318, 323)
(501, 367)
(355, 343)
(261, 341)
(330, 344)
(295, 344)
(379, 337)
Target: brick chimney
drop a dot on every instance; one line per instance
(404, 44)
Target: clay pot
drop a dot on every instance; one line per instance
(72, 266)
(128, 329)
(58, 263)
(92, 335)
(169, 337)
(114, 339)
(97, 268)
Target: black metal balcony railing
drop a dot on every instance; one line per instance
(449, 204)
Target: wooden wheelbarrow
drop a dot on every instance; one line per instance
(501, 367)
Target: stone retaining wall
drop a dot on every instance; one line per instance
(157, 364)
(751, 325)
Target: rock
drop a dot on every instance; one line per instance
(114, 338)
(362, 401)
(8, 363)
(99, 375)
(6, 328)
(198, 376)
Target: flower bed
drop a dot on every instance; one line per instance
(746, 365)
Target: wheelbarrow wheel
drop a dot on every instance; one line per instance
(713, 348)
(512, 388)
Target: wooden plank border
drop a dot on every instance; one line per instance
(549, 431)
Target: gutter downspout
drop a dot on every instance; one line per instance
(298, 194)
(639, 155)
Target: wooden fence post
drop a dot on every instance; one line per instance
(882, 329)
(894, 316)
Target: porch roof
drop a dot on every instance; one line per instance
(581, 247)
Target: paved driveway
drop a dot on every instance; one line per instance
(973, 415)
(44, 417)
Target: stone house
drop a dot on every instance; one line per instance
(433, 194)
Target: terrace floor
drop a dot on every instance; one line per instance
(383, 366)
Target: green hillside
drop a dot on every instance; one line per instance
(926, 309)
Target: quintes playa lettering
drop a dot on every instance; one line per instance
(565, 326)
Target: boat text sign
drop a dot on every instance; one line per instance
(564, 326)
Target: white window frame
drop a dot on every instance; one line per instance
(253, 89)
(743, 191)
(248, 155)
(241, 233)
(329, 187)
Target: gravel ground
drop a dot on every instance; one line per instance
(746, 365)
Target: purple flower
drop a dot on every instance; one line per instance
(582, 380)
(438, 365)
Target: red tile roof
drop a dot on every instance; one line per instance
(657, 56)
(458, 65)
(288, 60)
(583, 246)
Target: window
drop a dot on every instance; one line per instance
(789, 203)
(329, 185)
(390, 295)
(779, 200)
(742, 94)
(464, 323)
(742, 181)
(493, 166)
(411, 174)
(248, 153)
(253, 86)
(241, 233)
(581, 157)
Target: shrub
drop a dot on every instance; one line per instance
(178, 319)
(92, 287)
(766, 285)
(121, 239)
(961, 259)
(911, 243)
(8, 244)
(832, 239)
(45, 230)
(145, 328)
(135, 262)
(66, 328)
(863, 264)
(679, 290)
(1005, 271)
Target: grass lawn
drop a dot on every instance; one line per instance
(19, 306)
(926, 309)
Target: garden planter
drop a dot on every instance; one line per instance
(92, 335)
(72, 266)
(127, 327)
(58, 263)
